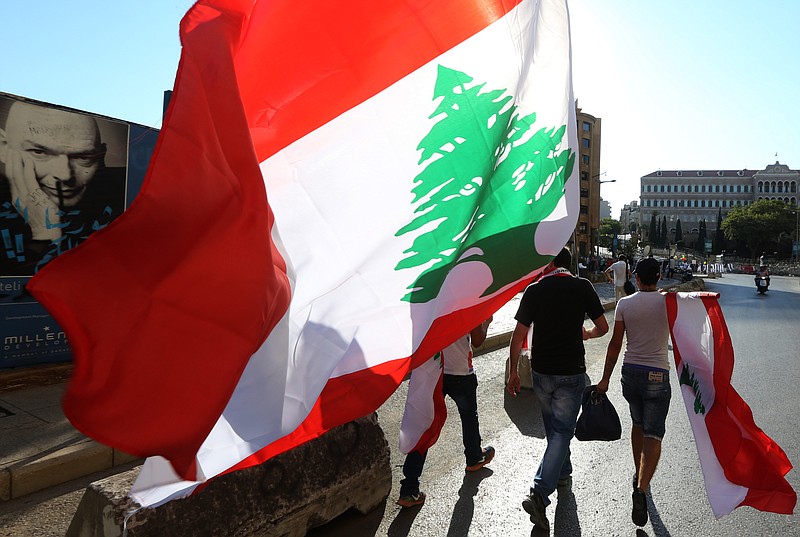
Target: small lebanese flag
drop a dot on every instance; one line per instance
(425, 411)
(340, 190)
(741, 464)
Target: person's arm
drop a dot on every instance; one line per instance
(515, 348)
(599, 329)
(607, 272)
(612, 355)
(478, 334)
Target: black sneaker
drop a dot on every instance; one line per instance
(534, 506)
(411, 500)
(488, 455)
(639, 511)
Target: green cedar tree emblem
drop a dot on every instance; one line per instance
(687, 378)
(489, 179)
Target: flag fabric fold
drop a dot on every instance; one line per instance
(425, 411)
(741, 464)
(339, 191)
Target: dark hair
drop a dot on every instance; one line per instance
(648, 271)
(621, 257)
(563, 259)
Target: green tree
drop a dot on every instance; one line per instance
(608, 228)
(678, 233)
(760, 224)
(488, 180)
(653, 232)
(719, 235)
(664, 236)
(701, 236)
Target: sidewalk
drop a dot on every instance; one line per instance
(39, 448)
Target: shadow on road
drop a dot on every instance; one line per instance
(659, 528)
(566, 523)
(464, 508)
(523, 411)
(401, 525)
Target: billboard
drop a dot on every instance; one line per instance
(64, 174)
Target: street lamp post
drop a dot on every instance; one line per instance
(595, 178)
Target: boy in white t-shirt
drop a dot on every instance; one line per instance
(642, 316)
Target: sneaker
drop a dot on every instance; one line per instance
(411, 500)
(639, 511)
(488, 455)
(534, 506)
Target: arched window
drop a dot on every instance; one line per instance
(761, 186)
(794, 187)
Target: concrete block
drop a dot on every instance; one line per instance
(308, 486)
(5, 484)
(58, 467)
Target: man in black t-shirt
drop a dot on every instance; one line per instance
(556, 306)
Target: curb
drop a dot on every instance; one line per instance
(59, 466)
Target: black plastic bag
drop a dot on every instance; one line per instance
(599, 419)
(629, 287)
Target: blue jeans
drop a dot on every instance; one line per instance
(463, 390)
(648, 393)
(560, 399)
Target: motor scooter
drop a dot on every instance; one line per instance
(762, 284)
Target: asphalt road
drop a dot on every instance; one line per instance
(487, 503)
(766, 339)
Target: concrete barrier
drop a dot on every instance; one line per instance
(310, 485)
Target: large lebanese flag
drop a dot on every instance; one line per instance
(340, 190)
(741, 464)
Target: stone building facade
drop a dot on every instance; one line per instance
(693, 195)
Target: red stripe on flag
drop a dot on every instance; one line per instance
(311, 61)
(164, 308)
(747, 455)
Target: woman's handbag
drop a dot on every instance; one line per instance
(599, 419)
(629, 287)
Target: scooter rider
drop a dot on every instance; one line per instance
(763, 272)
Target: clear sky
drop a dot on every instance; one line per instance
(679, 85)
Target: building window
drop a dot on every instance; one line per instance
(584, 176)
(584, 192)
(695, 188)
(661, 203)
(695, 203)
(585, 159)
(703, 188)
(702, 203)
(584, 209)
(587, 126)
(582, 229)
(585, 142)
(739, 188)
(662, 188)
(683, 188)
